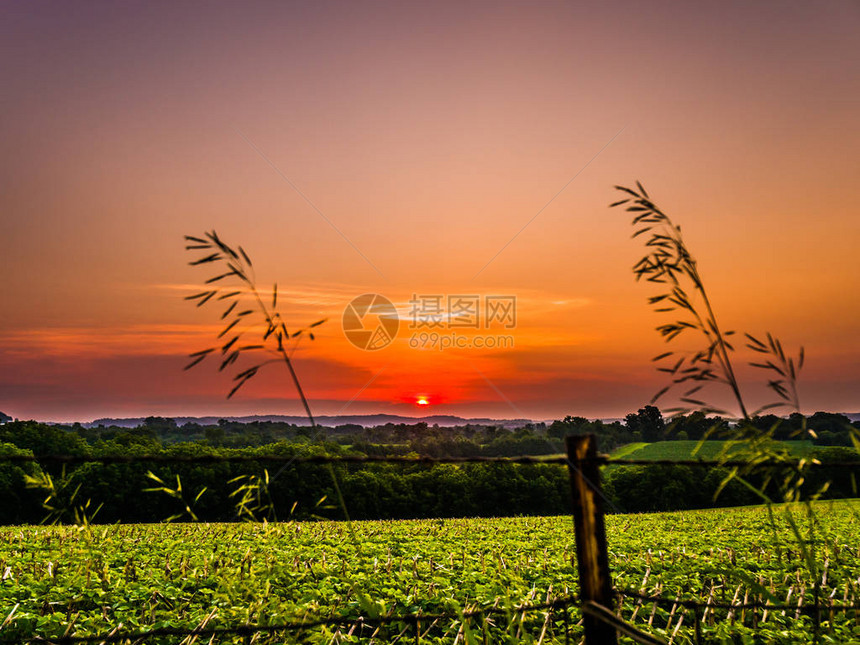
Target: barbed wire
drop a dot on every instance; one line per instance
(299, 459)
(697, 604)
(733, 463)
(414, 619)
(602, 460)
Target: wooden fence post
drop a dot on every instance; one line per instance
(592, 556)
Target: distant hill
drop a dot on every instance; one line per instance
(5, 418)
(366, 420)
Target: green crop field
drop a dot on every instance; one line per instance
(627, 449)
(688, 449)
(58, 580)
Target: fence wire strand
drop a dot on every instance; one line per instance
(249, 630)
(696, 604)
(602, 460)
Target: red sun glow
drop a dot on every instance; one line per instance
(422, 400)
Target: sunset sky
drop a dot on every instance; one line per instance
(417, 149)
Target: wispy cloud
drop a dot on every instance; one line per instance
(89, 342)
(311, 295)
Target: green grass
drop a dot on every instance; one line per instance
(175, 575)
(627, 449)
(687, 449)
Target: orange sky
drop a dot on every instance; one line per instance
(422, 137)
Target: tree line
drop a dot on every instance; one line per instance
(220, 491)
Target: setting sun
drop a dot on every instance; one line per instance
(422, 400)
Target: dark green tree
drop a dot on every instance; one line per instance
(648, 422)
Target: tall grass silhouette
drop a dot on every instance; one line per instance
(245, 312)
(781, 478)
(669, 262)
(249, 312)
